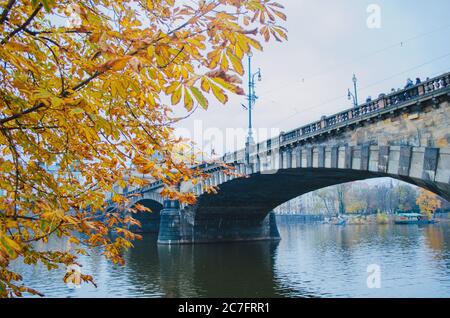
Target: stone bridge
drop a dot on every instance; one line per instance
(404, 135)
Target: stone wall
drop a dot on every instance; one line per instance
(428, 128)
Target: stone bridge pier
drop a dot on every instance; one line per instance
(182, 226)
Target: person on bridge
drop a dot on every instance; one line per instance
(409, 83)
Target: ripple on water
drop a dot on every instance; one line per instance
(309, 261)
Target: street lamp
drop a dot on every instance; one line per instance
(251, 98)
(353, 96)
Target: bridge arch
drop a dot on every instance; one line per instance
(150, 221)
(258, 193)
(307, 169)
(242, 207)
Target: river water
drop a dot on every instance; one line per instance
(311, 260)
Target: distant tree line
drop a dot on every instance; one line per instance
(387, 195)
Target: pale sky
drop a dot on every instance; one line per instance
(329, 40)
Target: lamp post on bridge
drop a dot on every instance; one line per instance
(355, 93)
(251, 98)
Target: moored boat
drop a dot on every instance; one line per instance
(339, 221)
(412, 218)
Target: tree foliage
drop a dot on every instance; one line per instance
(89, 86)
(328, 199)
(428, 202)
(405, 197)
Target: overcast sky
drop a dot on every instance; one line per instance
(329, 40)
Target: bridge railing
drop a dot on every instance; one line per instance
(149, 187)
(382, 102)
(370, 107)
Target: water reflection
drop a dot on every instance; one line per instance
(225, 270)
(327, 260)
(310, 261)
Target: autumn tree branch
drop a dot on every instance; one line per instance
(18, 115)
(38, 238)
(55, 57)
(90, 78)
(6, 9)
(24, 25)
(172, 59)
(29, 128)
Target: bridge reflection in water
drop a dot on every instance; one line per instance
(223, 270)
(310, 260)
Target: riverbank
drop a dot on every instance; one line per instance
(348, 219)
(299, 218)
